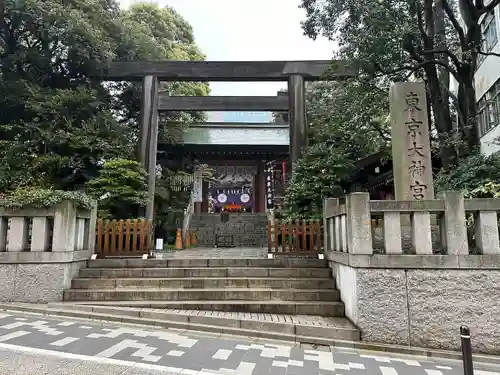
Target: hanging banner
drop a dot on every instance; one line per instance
(232, 197)
(198, 187)
(268, 175)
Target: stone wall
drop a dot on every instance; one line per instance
(42, 250)
(247, 229)
(39, 280)
(421, 300)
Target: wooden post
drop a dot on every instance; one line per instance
(297, 116)
(148, 137)
(194, 240)
(178, 239)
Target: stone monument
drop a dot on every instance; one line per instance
(411, 151)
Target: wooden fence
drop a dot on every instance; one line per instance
(124, 237)
(293, 237)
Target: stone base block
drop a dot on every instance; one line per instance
(35, 282)
(422, 307)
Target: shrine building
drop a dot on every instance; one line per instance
(246, 161)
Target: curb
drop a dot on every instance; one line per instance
(359, 345)
(321, 332)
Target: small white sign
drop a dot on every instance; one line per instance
(198, 187)
(159, 244)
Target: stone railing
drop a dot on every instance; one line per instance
(349, 225)
(41, 250)
(412, 272)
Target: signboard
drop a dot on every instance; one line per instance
(236, 117)
(198, 187)
(268, 176)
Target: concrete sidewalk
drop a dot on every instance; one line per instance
(23, 361)
(35, 344)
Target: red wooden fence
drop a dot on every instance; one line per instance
(295, 236)
(124, 237)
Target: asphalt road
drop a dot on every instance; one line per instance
(36, 345)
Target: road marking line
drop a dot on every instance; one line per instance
(433, 372)
(175, 353)
(222, 354)
(388, 370)
(13, 335)
(65, 341)
(81, 357)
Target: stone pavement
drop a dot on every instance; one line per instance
(314, 320)
(32, 344)
(219, 252)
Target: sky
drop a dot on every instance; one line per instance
(248, 30)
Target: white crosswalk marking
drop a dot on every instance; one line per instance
(66, 324)
(65, 341)
(13, 335)
(388, 370)
(143, 351)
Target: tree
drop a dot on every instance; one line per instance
(120, 188)
(56, 124)
(348, 121)
(429, 39)
(473, 173)
(163, 35)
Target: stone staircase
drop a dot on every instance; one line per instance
(286, 296)
(245, 229)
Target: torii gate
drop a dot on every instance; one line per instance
(152, 72)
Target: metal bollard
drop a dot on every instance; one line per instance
(466, 350)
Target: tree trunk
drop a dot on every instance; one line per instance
(473, 140)
(442, 119)
(468, 109)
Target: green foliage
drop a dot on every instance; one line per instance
(320, 173)
(348, 121)
(151, 32)
(487, 190)
(428, 40)
(471, 175)
(119, 187)
(57, 124)
(43, 198)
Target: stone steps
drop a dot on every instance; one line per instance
(299, 328)
(206, 282)
(256, 285)
(209, 262)
(229, 272)
(168, 294)
(320, 308)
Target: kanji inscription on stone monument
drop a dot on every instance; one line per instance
(412, 166)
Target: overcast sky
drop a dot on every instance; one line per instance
(249, 30)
